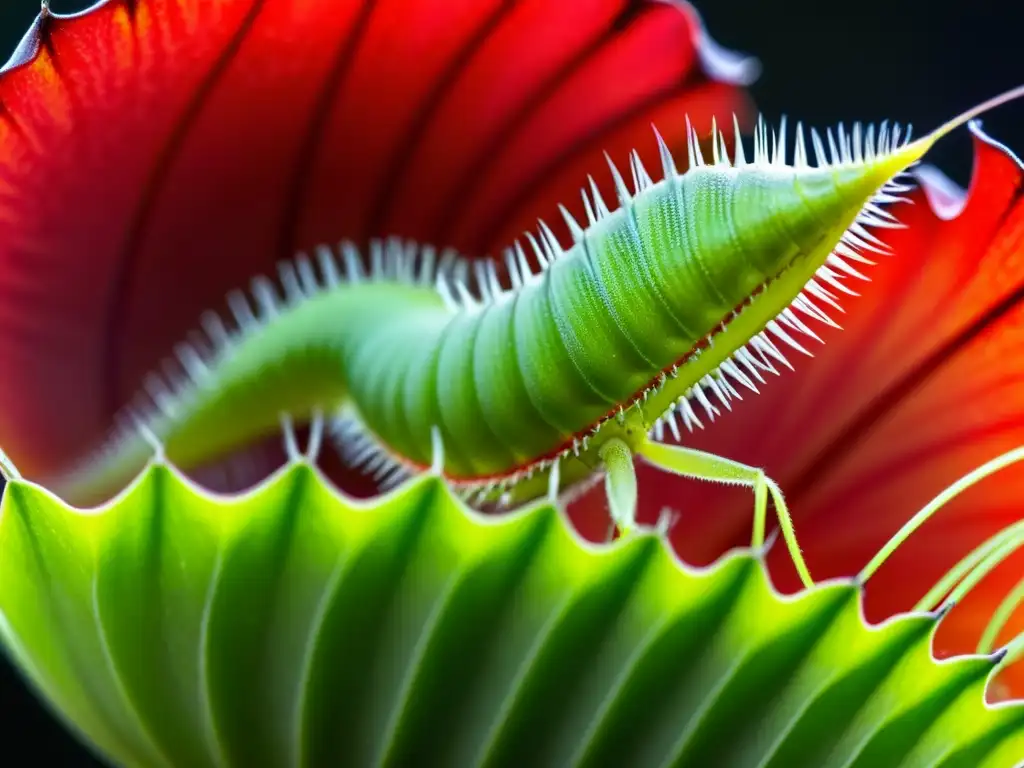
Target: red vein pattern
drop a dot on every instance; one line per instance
(922, 385)
(155, 154)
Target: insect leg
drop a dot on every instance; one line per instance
(706, 466)
(620, 483)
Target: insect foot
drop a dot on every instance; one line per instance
(706, 466)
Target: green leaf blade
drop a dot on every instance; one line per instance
(290, 626)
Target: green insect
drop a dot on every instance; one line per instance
(659, 313)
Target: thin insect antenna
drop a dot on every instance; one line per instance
(668, 163)
(966, 117)
(738, 138)
(621, 190)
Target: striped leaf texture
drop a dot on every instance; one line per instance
(290, 626)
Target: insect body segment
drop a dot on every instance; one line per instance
(659, 312)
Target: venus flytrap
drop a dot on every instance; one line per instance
(693, 289)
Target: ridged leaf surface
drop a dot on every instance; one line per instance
(291, 626)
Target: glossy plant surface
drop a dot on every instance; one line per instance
(290, 626)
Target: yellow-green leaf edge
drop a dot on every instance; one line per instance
(291, 626)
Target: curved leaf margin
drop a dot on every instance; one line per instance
(293, 626)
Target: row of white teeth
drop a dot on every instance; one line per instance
(401, 260)
(758, 355)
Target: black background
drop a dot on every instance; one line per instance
(916, 61)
